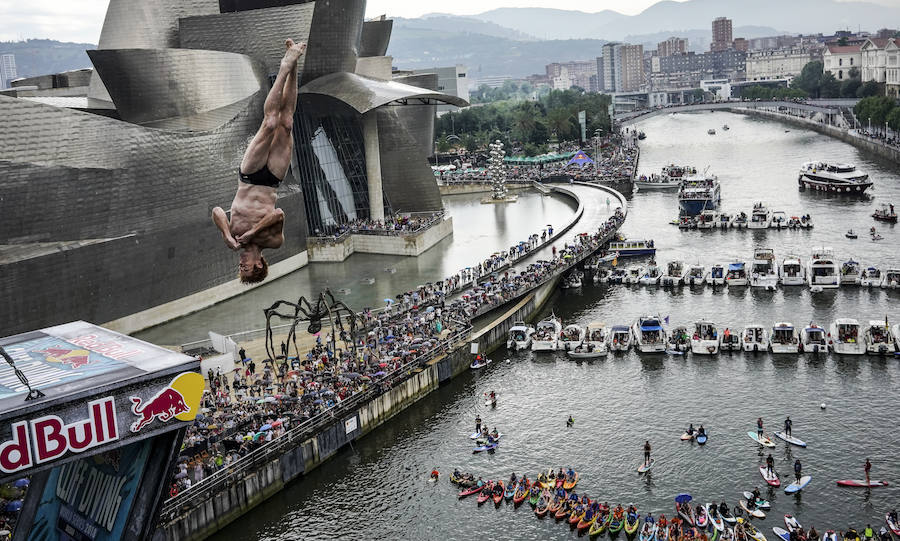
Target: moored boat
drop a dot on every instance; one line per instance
(845, 337)
(879, 339)
(740, 221)
(716, 275)
(760, 217)
(633, 275)
(737, 274)
(891, 279)
(675, 274)
(835, 178)
(851, 272)
(763, 270)
(649, 334)
(813, 339)
(699, 193)
(870, 277)
(793, 273)
(708, 219)
(823, 269)
(519, 336)
(630, 248)
(678, 340)
(619, 338)
(784, 338)
(755, 338)
(651, 275)
(571, 337)
(696, 275)
(595, 336)
(705, 340)
(779, 220)
(546, 335)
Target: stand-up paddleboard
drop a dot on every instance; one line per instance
(791, 523)
(701, 439)
(764, 441)
(893, 525)
(829, 536)
(782, 533)
(762, 504)
(686, 436)
(797, 486)
(771, 480)
(717, 522)
(486, 447)
(861, 483)
(474, 435)
(646, 467)
(790, 439)
(754, 513)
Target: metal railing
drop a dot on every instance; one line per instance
(217, 481)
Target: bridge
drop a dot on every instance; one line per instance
(830, 108)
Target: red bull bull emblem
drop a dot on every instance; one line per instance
(179, 400)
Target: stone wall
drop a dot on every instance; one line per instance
(407, 245)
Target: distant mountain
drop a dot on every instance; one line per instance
(46, 56)
(797, 16)
(453, 23)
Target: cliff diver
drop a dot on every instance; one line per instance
(255, 222)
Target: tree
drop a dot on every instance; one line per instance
(874, 109)
(443, 146)
(853, 73)
(869, 88)
(849, 88)
(893, 119)
(842, 41)
(810, 78)
(540, 135)
(558, 123)
(829, 87)
(470, 142)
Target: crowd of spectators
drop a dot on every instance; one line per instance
(398, 224)
(892, 140)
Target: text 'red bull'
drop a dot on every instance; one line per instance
(165, 405)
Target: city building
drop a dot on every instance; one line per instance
(124, 177)
(623, 67)
(741, 44)
(491, 81)
(565, 75)
(687, 70)
(671, 46)
(840, 59)
(773, 42)
(7, 69)
(780, 63)
(721, 34)
(881, 63)
(452, 80)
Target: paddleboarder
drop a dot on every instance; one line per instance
(570, 422)
(478, 424)
(866, 468)
(647, 453)
(787, 425)
(770, 465)
(798, 470)
(759, 427)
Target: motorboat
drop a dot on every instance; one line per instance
(687, 222)
(784, 338)
(546, 334)
(835, 178)
(651, 276)
(696, 275)
(572, 280)
(850, 234)
(632, 248)
(870, 277)
(740, 221)
(800, 222)
(596, 335)
(885, 214)
(711, 131)
(678, 172)
(619, 338)
(519, 336)
(716, 275)
(602, 276)
(813, 339)
(760, 217)
(705, 340)
(571, 336)
(670, 178)
(823, 269)
(675, 274)
(617, 276)
(633, 275)
(737, 274)
(678, 340)
(724, 220)
(708, 219)
(699, 193)
(725, 127)
(895, 331)
(793, 273)
(763, 270)
(844, 337)
(878, 338)
(851, 272)
(779, 220)
(649, 334)
(891, 279)
(730, 341)
(755, 338)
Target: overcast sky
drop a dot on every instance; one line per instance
(80, 20)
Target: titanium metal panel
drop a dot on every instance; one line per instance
(231, 6)
(334, 38)
(365, 94)
(419, 120)
(376, 36)
(259, 33)
(153, 84)
(144, 24)
(409, 184)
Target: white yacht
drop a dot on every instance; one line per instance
(708, 219)
(784, 338)
(696, 275)
(763, 270)
(730, 341)
(678, 340)
(779, 220)
(705, 340)
(813, 339)
(878, 338)
(633, 275)
(546, 335)
(845, 337)
(755, 338)
(571, 336)
(651, 276)
(596, 336)
(833, 178)
(619, 338)
(716, 275)
(649, 334)
(760, 217)
(675, 274)
(737, 274)
(891, 279)
(851, 272)
(871, 277)
(793, 273)
(823, 269)
(519, 336)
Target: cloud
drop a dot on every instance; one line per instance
(64, 20)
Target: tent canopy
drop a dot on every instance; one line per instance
(580, 158)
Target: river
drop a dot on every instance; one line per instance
(379, 488)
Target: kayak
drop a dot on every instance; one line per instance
(861, 483)
(782, 533)
(892, 525)
(715, 535)
(570, 481)
(469, 491)
(510, 491)
(600, 524)
(555, 505)
(755, 513)
(485, 493)
(687, 516)
(701, 439)
(760, 503)
(476, 365)
(716, 521)
(542, 508)
(773, 479)
(702, 520)
(648, 532)
(535, 497)
(764, 441)
(687, 437)
(643, 468)
(791, 523)
(486, 447)
(462, 481)
(577, 514)
(585, 522)
(728, 517)
(615, 526)
(790, 439)
(563, 511)
(797, 486)
(521, 494)
(631, 527)
(751, 530)
(498, 497)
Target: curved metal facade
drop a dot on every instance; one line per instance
(334, 38)
(365, 94)
(376, 36)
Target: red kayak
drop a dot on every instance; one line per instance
(486, 491)
(861, 483)
(576, 515)
(521, 494)
(563, 511)
(498, 497)
(469, 491)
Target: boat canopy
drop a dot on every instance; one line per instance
(735, 266)
(784, 327)
(651, 328)
(620, 328)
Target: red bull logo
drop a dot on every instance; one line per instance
(179, 400)
(75, 358)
